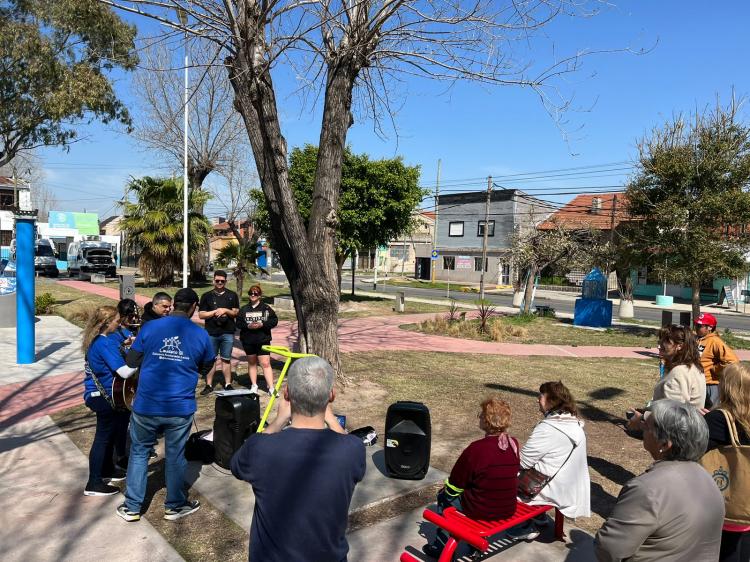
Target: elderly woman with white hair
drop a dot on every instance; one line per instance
(673, 511)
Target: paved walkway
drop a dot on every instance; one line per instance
(44, 515)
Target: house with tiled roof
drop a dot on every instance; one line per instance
(599, 211)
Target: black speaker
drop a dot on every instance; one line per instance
(237, 417)
(407, 440)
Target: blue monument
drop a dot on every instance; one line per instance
(593, 308)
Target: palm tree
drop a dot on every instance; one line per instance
(243, 256)
(153, 224)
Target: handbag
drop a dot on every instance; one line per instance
(729, 466)
(531, 481)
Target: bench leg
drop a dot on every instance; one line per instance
(449, 550)
(559, 529)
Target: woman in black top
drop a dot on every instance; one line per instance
(734, 397)
(255, 321)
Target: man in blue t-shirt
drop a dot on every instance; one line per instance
(304, 476)
(171, 354)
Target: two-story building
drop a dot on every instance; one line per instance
(13, 194)
(460, 233)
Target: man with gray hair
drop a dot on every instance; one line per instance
(303, 475)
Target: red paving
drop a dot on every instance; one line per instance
(47, 395)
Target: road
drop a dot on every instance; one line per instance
(725, 318)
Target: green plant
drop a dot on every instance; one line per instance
(522, 318)
(485, 310)
(44, 304)
(452, 315)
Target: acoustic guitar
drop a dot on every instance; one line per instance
(123, 390)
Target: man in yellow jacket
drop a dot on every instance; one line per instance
(715, 355)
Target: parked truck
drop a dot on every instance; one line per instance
(90, 256)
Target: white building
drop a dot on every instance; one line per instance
(13, 194)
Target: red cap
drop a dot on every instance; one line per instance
(706, 319)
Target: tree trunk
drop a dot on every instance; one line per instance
(199, 262)
(696, 289)
(308, 256)
(340, 259)
(529, 289)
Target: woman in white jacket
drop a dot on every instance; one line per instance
(557, 449)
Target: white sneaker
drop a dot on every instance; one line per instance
(254, 389)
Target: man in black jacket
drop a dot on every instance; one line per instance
(159, 307)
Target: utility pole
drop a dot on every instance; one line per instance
(484, 239)
(435, 228)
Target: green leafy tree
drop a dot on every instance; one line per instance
(152, 223)
(241, 257)
(53, 58)
(376, 203)
(691, 195)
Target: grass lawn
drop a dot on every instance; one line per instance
(71, 303)
(532, 329)
(452, 385)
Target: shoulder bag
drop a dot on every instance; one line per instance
(531, 481)
(730, 468)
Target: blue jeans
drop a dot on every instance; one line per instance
(143, 432)
(223, 345)
(444, 501)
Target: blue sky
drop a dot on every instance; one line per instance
(696, 52)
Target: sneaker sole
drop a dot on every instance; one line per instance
(90, 493)
(110, 479)
(176, 516)
(128, 518)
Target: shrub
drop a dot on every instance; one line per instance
(500, 331)
(44, 304)
(485, 309)
(452, 315)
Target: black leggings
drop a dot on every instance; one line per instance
(735, 547)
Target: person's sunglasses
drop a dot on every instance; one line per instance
(220, 280)
(254, 293)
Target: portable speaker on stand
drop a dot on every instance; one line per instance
(237, 417)
(407, 440)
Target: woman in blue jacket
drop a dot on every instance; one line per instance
(103, 360)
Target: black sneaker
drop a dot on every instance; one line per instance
(117, 475)
(100, 489)
(206, 390)
(126, 514)
(152, 455)
(228, 387)
(432, 550)
(175, 513)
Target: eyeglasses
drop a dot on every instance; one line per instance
(220, 280)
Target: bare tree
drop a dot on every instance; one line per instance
(342, 52)
(217, 140)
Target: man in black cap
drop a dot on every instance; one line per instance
(170, 353)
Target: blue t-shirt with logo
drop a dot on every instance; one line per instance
(172, 349)
(104, 358)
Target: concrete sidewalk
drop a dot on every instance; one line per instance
(46, 517)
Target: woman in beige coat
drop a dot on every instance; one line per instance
(683, 380)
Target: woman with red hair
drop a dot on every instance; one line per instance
(484, 480)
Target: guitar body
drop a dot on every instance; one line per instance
(123, 391)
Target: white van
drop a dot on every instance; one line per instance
(91, 256)
(45, 260)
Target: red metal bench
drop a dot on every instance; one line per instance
(475, 532)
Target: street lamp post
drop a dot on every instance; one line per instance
(182, 15)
